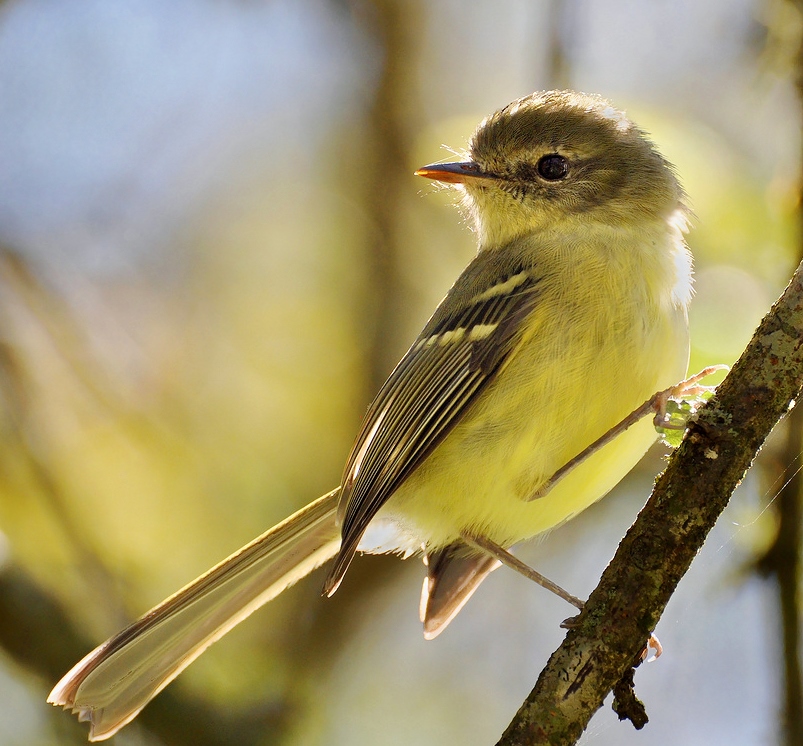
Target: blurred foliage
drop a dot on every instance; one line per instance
(199, 289)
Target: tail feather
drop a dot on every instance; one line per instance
(453, 574)
(116, 680)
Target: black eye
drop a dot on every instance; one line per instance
(553, 167)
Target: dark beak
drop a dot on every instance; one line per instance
(454, 173)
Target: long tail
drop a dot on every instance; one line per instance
(116, 680)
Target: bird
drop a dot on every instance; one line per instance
(572, 313)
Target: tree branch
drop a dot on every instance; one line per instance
(688, 497)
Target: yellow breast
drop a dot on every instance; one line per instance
(603, 338)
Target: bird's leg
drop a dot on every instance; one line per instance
(657, 403)
(690, 387)
(506, 558)
(486, 546)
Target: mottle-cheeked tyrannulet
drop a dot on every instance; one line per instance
(571, 314)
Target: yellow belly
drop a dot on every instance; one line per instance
(481, 477)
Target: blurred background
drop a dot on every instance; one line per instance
(213, 250)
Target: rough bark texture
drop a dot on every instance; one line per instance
(658, 549)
